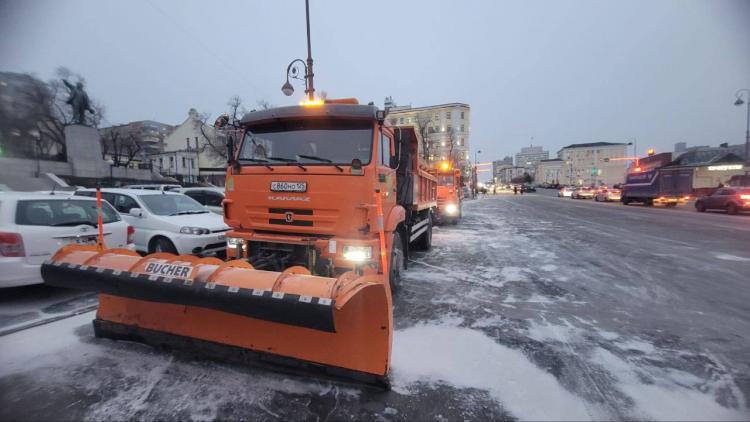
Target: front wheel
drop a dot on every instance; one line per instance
(731, 209)
(396, 263)
(162, 244)
(700, 207)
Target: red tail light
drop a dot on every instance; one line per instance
(745, 197)
(131, 234)
(11, 244)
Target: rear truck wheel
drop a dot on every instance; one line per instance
(162, 244)
(700, 207)
(648, 202)
(424, 243)
(396, 264)
(731, 209)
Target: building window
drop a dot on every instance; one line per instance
(184, 163)
(462, 128)
(401, 121)
(171, 162)
(462, 115)
(394, 122)
(450, 128)
(448, 115)
(192, 163)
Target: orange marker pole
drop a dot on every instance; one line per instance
(99, 220)
(381, 230)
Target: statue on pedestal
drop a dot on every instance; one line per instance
(79, 100)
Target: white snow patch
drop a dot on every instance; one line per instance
(513, 274)
(545, 332)
(635, 344)
(665, 399)
(45, 345)
(728, 257)
(607, 335)
(466, 358)
(548, 267)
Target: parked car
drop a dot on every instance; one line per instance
(34, 226)
(732, 200)
(565, 192)
(582, 192)
(167, 221)
(209, 197)
(607, 194)
(168, 188)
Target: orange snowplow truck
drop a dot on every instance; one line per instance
(325, 203)
(449, 192)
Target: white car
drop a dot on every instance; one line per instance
(34, 226)
(209, 197)
(167, 221)
(168, 188)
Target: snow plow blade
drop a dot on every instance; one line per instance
(340, 327)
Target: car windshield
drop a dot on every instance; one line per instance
(321, 142)
(69, 212)
(172, 204)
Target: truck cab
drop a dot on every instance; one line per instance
(305, 183)
(449, 192)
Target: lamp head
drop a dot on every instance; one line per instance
(287, 88)
(739, 101)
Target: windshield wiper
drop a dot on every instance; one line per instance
(74, 223)
(321, 159)
(288, 160)
(188, 212)
(256, 160)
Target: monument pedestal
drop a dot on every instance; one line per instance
(85, 151)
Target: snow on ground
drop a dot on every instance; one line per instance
(728, 257)
(466, 358)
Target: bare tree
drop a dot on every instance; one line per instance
(264, 105)
(121, 144)
(423, 123)
(235, 108)
(451, 137)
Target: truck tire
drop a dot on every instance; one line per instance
(625, 200)
(424, 243)
(648, 202)
(731, 209)
(700, 207)
(396, 264)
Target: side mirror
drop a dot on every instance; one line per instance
(136, 212)
(230, 149)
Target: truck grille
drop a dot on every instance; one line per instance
(294, 214)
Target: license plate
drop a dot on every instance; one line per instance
(80, 240)
(289, 186)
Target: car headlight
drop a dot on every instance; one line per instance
(194, 230)
(357, 253)
(233, 242)
(451, 208)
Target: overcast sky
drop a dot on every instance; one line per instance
(549, 73)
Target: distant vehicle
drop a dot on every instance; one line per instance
(530, 188)
(209, 197)
(167, 221)
(565, 192)
(167, 188)
(582, 192)
(732, 200)
(607, 194)
(34, 226)
(658, 184)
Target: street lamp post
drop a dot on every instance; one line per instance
(738, 103)
(294, 72)
(476, 167)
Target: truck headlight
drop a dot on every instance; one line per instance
(451, 209)
(194, 230)
(357, 253)
(233, 242)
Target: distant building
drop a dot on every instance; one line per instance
(499, 165)
(530, 156)
(591, 164)
(680, 147)
(549, 171)
(736, 149)
(446, 129)
(144, 137)
(193, 153)
(507, 174)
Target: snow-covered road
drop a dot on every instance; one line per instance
(532, 308)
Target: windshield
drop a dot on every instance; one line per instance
(309, 142)
(172, 204)
(71, 212)
(445, 180)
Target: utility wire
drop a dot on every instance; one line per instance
(227, 67)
